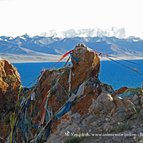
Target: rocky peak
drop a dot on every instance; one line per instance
(69, 101)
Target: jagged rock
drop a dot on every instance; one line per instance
(54, 88)
(99, 120)
(69, 102)
(9, 78)
(9, 88)
(9, 85)
(97, 110)
(84, 70)
(86, 66)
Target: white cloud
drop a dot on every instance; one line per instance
(37, 16)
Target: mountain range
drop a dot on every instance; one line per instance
(42, 48)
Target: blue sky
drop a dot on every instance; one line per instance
(37, 16)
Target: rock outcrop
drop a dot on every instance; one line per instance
(109, 119)
(9, 78)
(71, 104)
(9, 88)
(59, 84)
(57, 92)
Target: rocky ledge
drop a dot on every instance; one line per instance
(71, 105)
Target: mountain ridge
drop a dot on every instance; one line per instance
(53, 46)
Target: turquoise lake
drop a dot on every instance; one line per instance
(116, 74)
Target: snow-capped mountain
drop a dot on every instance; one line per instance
(95, 32)
(41, 45)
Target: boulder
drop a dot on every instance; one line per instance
(103, 104)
